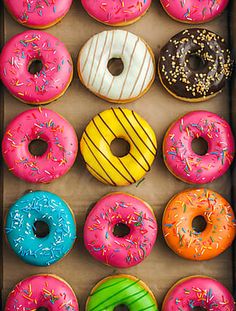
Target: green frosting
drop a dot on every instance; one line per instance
(122, 290)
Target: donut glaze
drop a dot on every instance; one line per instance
(39, 124)
(116, 13)
(138, 60)
(194, 11)
(179, 231)
(198, 291)
(200, 81)
(19, 228)
(44, 86)
(38, 13)
(120, 252)
(183, 162)
(42, 290)
(98, 136)
(120, 290)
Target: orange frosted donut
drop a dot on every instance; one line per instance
(198, 224)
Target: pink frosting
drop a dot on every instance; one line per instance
(181, 159)
(121, 252)
(44, 290)
(41, 124)
(116, 12)
(44, 86)
(38, 13)
(194, 11)
(198, 291)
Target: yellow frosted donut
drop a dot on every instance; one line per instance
(96, 142)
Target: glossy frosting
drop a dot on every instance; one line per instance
(178, 230)
(38, 13)
(48, 84)
(48, 126)
(96, 140)
(121, 290)
(198, 291)
(181, 160)
(116, 12)
(121, 252)
(194, 11)
(139, 66)
(206, 80)
(19, 228)
(42, 290)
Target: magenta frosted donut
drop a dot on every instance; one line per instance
(52, 78)
(116, 13)
(200, 293)
(38, 13)
(194, 11)
(42, 292)
(179, 156)
(130, 246)
(45, 125)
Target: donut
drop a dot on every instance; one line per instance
(194, 65)
(198, 292)
(42, 292)
(138, 60)
(179, 156)
(52, 71)
(128, 248)
(121, 290)
(194, 11)
(96, 142)
(38, 14)
(116, 13)
(218, 228)
(39, 125)
(21, 231)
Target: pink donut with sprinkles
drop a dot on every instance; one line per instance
(194, 11)
(35, 67)
(120, 230)
(118, 12)
(39, 125)
(198, 293)
(42, 292)
(38, 14)
(179, 156)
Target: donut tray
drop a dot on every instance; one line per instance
(162, 268)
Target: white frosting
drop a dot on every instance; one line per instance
(139, 65)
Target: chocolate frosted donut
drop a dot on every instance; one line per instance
(195, 64)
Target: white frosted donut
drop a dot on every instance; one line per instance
(139, 66)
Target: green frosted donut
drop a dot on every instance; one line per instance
(119, 290)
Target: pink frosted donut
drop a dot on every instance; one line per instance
(134, 219)
(183, 162)
(45, 125)
(53, 76)
(198, 293)
(116, 13)
(194, 11)
(38, 13)
(42, 292)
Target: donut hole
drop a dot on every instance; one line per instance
(35, 66)
(42, 309)
(199, 146)
(199, 309)
(38, 147)
(121, 308)
(121, 230)
(40, 229)
(199, 224)
(120, 147)
(115, 66)
(195, 62)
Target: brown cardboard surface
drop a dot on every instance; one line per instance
(162, 268)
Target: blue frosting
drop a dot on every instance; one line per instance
(49, 208)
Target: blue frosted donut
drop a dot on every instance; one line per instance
(21, 232)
